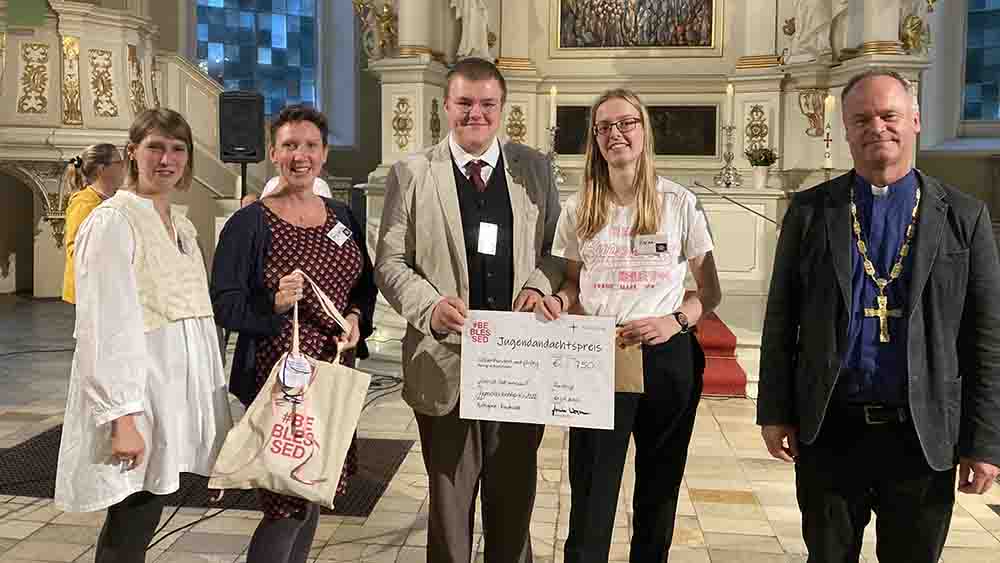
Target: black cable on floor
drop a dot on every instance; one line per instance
(39, 351)
(232, 503)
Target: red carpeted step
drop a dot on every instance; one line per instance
(723, 374)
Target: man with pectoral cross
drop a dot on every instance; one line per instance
(879, 405)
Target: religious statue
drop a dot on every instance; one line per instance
(475, 36)
(820, 29)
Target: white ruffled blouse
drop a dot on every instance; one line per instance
(171, 376)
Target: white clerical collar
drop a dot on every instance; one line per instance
(462, 158)
(880, 191)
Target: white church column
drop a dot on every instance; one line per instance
(413, 116)
(415, 27)
(760, 29)
(874, 27)
(757, 87)
(516, 22)
(524, 106)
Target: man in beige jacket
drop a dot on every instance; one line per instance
(468, 224)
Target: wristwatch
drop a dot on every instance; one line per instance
(682, 320)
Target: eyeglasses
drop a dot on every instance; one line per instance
(624, 126)
(486, 106)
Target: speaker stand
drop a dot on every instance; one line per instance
(243, 180)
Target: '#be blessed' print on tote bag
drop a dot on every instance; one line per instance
(294, 437)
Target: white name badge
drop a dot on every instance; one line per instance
(488, 238)
(339, 234)
(650, 244)
(296, 371)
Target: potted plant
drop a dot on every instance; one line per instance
(761, 159)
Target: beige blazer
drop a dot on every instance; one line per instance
(421, 258)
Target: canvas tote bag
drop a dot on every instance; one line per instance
(293, 440)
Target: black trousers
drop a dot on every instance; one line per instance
(661, 420)
(129, 528)
(854, 468)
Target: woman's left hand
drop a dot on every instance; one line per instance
(650, 330)
(348, 340)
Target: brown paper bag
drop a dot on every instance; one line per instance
(628, 369)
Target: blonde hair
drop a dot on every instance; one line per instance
(82, 169)
(168, 123)
(596, 195)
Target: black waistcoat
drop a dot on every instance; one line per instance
(491, 278)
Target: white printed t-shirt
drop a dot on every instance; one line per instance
(617, 282)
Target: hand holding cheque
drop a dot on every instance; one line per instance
(517, 367)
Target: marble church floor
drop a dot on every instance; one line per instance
(737, 505)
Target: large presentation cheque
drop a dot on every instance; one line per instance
(517, 368)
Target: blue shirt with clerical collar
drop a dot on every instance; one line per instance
(874, 371)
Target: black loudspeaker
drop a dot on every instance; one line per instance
(241, 126)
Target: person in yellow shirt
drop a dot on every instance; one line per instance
(91, 177)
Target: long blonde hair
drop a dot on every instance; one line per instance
(596, 195)
(83, 168)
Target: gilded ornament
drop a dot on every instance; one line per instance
(402, 123)
(915, 35)
(387, 29)
(378, 28)
(72, 111)
(101, 84)
(435, 122)
(136, 89)
(517, 129)
(35, 79)
(756, 130)
(789, 27)
(811, 103)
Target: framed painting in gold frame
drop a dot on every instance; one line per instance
(589, 29)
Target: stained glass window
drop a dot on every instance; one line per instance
(263, 45)
(982, 61)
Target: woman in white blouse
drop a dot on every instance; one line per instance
(629, 238)
(147, 397)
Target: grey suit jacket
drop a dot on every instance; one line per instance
(421, 257)
(952, 320)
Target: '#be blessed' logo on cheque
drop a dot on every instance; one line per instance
(480, 332)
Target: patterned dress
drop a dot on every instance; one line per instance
(335, 268)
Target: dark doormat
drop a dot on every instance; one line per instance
(29, 469)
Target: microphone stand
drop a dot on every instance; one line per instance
(734, 202)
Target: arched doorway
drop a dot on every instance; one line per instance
(19, 212)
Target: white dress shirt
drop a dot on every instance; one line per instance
(462, 158)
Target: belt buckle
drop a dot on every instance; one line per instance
(868, 417)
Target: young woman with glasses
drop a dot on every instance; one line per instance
(630, 237)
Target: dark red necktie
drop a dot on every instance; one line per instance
(475, 168)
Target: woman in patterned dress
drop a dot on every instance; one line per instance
(254, 289)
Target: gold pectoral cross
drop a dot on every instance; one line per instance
(883, 312)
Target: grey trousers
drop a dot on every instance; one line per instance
(463, 455)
